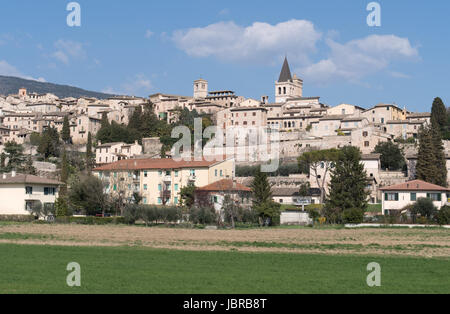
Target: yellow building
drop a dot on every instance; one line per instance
(159, 181)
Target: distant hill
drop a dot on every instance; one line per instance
(11, 85)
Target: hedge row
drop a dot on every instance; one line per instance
(17, 218)
(90, 220)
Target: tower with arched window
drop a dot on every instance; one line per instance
(287, 86)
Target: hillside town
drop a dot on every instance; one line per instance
(143, 170)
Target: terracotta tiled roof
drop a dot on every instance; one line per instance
(415, 185)
(225, 185)
(26, 179)
(150, 163)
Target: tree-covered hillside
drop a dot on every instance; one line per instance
(11, 85)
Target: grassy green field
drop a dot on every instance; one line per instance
(42, 269)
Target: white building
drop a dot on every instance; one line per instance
(19, 192)
(396, 197)
(112, 152)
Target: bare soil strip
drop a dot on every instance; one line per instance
(407, 242)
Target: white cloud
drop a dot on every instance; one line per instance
(67, 50)
(257, 42)
(7, 69)
(360, 58)
(148, 33)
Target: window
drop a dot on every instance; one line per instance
(365, 134)
(391, 196)
(29, 190)
(176, 173)
(413, 196)
(160, 172)
(176, 187)
(115, 187)
(193, 172)
(436, 197)
(366, 144)
(221, 173)
(168, 173)
(145, 187)
(49, 191)
(159, 187)
(159, 200)
(215, 172)
(145, 174)
(215, 199)
(175, 200)
(145, 200)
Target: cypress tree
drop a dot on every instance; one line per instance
(89, 155)
(64, 174)
(440, 167)
(426, 166)
(347, 185)
(65, 133)
(439, 115)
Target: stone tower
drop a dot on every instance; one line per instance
(200, 88)
(287, 86)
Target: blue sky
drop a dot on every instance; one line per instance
(143, 47)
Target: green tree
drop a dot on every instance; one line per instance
(65, 133)
(64, 174)
(86, 195)
(187, 195)
(424, 207)
(267, 209)
(439, 115)
(49, 143)
(28, 167)
(2, 162)
(391, 156)
(431, 162)
(260, 188)
(347, 185)
(15, 156)
(89, 154)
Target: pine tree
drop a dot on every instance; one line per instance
(65, 133)
(260, 188)
(16, 158)
(89, 155)
(347, 185)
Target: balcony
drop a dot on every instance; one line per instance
(167, 179)
(192, 178)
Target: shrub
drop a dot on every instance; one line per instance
(353, 216)
(202, 215)
(443, 216)
(424, 207)
(131, 214)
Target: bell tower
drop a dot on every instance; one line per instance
(200, 88)
(287, 86)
